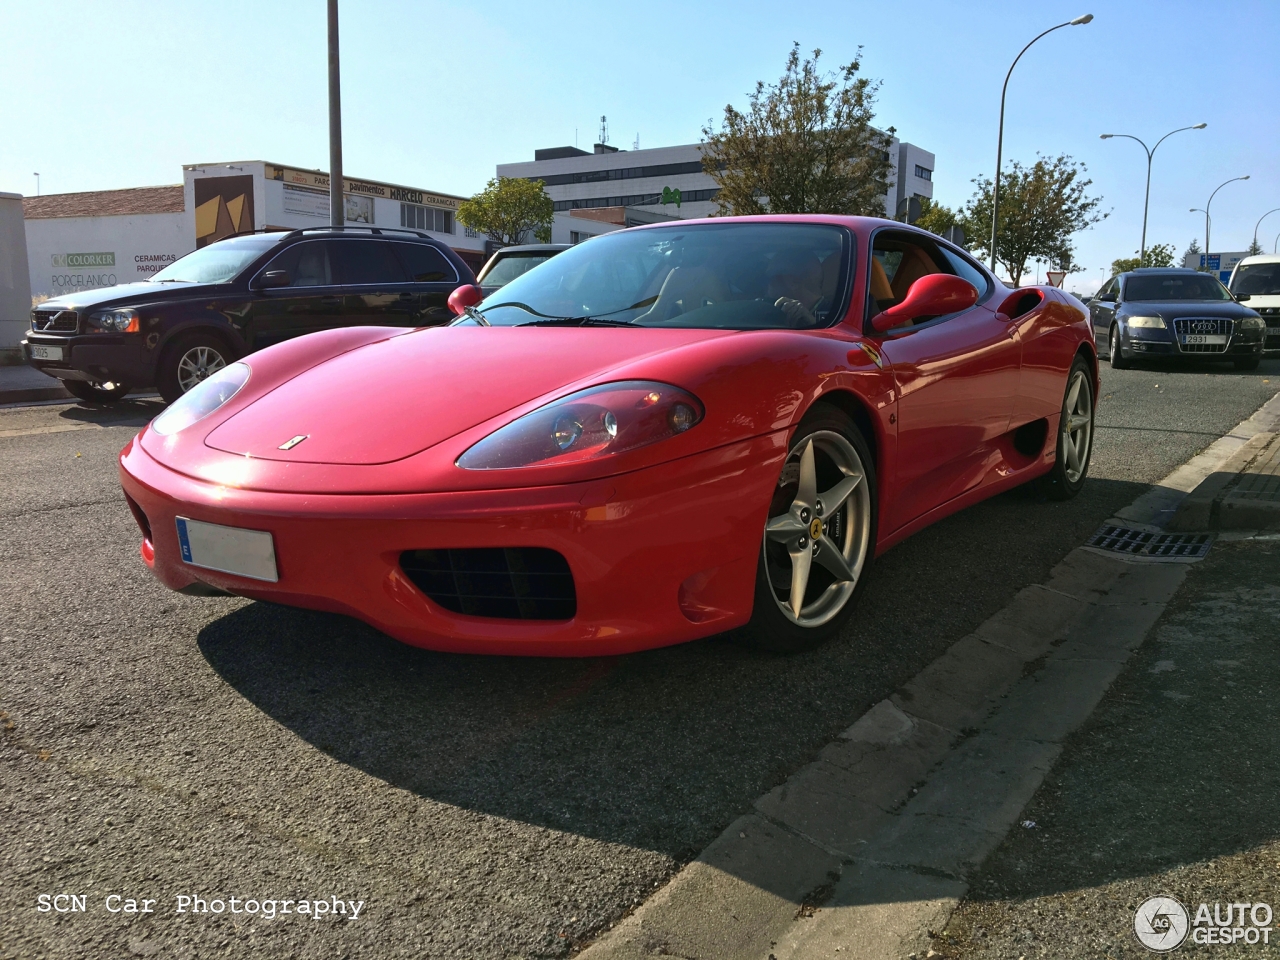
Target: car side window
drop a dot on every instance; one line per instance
(898, 260)
(365, 262)
(306, 263)
(967, 271)
(424, 263)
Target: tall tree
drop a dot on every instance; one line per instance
(1255, 247)
(936, 217)
(1041, 207)
(1159, 255)
(510, 210)
(803, 145)
(1193, 250)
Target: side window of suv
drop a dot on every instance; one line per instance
(425, 263)
(307, 263)
(365, 262)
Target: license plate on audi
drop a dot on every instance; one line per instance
(245, 553)
(39, 352)
(1192, 338)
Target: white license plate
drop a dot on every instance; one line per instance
(39, 352)
(246, 553)
(1191, 338)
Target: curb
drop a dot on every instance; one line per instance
(1237, 497)
(869, 848)
(34, 394)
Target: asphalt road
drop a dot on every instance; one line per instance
(157, 746)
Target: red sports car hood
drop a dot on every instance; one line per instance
(391, 399)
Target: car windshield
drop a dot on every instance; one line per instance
(216, 263)
(732, 276)
(514, 265)
(1256, 280)
(1175, 286)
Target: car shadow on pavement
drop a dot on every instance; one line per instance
(657, 750)
(128, 412)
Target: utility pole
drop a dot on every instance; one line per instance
(37, 176)
(337, 207)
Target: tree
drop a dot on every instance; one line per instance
(1160, 255)
(1041, 207)
(1255, 247)
(1193, 250)
(508, 210)
(935, 217)
(803, 145)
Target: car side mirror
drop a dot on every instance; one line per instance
(274, 278)
(467, 295)
(1242, 297)
(933, 295)
(1107, 298)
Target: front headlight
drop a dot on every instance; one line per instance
(597, 422)
(1149, 323)
(202, 399)
(116, 321)
(1252, 323)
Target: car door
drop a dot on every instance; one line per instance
(375, 285)
(432, 277)
(957, 380)
(1102, 311)
(312, 300)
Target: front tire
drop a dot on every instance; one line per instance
(1114, 352)
(92, 392)
(188, 362)
(819, 537)
(1075, 435)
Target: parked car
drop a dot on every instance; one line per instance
(664, 433)
(511, 262)
(1171, 312)
(1258, 278)
(233, 297)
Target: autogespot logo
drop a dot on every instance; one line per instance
(1161, 924)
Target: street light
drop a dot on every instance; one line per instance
(1206, 212)
(337, 207)
(1259, 223)
(37, 176)
(1206, 231)
(1146, 203)
(995, 195)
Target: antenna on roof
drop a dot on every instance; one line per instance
(604, 130)
(636, 145)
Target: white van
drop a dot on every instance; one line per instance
(1258, 278)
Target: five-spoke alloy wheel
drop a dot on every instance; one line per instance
(1075, 434)
(819, 537)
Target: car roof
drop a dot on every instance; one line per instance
(1260, 258)
(1148, 270)
(533, 248)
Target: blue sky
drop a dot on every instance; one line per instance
(102, 95)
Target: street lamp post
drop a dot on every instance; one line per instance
(1146, 203)
(337, 210)
(37, 176)
(995, 195)
(1206, 212)
(1259, 223)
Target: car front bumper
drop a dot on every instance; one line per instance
(659, 556)
(1241, 344)
(122, 358)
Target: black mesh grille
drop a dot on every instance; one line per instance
(512, 583)
(54, 321)
(1141, 543)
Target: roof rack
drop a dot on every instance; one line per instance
(374, 230)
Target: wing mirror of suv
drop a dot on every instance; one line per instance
(1242, 297)
(933, 295)
(467, 295)
(274, 278)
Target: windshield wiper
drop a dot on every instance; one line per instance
(577, 322)
(473, 314)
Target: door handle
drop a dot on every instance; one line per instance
(331, 301)
(406, 296)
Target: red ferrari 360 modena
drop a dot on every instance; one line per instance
(661, 434)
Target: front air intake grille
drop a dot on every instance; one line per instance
(1151, 546)
(511, 583)
(1193, 327)
(54, 321)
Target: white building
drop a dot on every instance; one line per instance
(78, 241)
(666, 181)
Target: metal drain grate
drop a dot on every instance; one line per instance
(1151, 546)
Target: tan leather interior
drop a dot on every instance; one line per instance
(915, 264)
(880, 289)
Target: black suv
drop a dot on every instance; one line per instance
(236, 296)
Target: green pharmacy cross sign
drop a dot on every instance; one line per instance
(671, 196)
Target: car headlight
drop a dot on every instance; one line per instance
(1149, 323)
(1252, 323)
(597, 422)
(116, 321)
(202, 399)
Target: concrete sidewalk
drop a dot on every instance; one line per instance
(24, 384)
(1243, 495)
